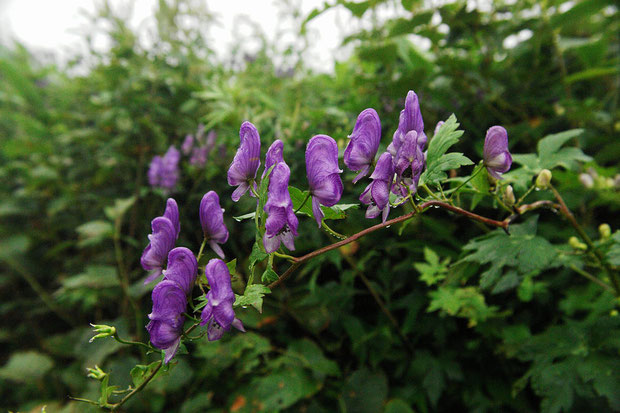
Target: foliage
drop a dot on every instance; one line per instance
(437, 313)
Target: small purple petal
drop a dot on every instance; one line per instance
(161, 242)
(182, 268)
(218, 313)
(496, 156)
(410, 119)
(362, 148)
(212, 221)
(274, 155)
(172, 213)
(188, 144)
(169, 301)
(247, 159)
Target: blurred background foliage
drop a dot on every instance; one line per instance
(75, 209)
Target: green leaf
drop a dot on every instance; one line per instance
(465, 302)
(313, 358)
(397, 406)
(269, 276)
(365, 391)
(141, 372)
(522, 251)
(232, 266)
(433, 271)
(437, 161)
(613, 255)
(95, 277)
(26, 367)
(120, 207)
(94, 232)
(257, 255)
(335, 212)
(253, 296)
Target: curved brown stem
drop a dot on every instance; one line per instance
(300, 260)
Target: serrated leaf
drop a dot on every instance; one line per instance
(232, 266)
(141, 372)
(269, 276)
(335, 212)
(257, 255)
(253, 296)
(437, 161)
(433, 271)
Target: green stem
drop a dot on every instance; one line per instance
(331, 232)
(530, 189)
(134, 343)
(285, 256)
(431, 193)
(613, 275)
(479, 168)
(116, 406)
(590, 277)
(303, 202)
(201, 250)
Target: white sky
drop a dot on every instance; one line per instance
(57, 26)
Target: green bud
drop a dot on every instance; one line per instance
(576, 244)
(96, 373)
(604, 230)
(103, 330)
(544, 179)
(509, 195)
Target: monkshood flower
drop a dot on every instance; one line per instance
(182, 268)
(410, 120)
(165, 231)
(243, 168)
(408, 164)
(218, 312)
(164, 171)
(281, 224)
(274, 155)
(187, 145)
(364, 143)
(497, 159)
(166, 325)
(377, 194)
(323, 174)
(212, 222)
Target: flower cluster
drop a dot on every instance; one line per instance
(199, 148)
(170, 301)
(396, 172)
(164, 170)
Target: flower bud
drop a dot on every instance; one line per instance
(576, 244)
(604, 230)
(96, 373)
(544, 179)
(586, 180)
(103, 330)
(509, 195)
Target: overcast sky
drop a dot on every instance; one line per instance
(56, 25)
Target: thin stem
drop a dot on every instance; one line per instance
(331, 232)
(431, 193)
(38, 288)
(591, 278)
(285, 256)
(116, 406)
(134, 343)
(591, 247)
(303, 202)
(123, 276)
(479, 168)
(201, 250)
(501, 224)
(380, 303)
(529, 191)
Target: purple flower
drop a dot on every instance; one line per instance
(362, 148)
(218, 312)
(410, 120)
(323, 174)
(166, 325)
(408, 164)
(242, 171)
(274, 155)
(187, 145)
(377, 194)
(164, 171)
(165, 233)
(281, 224)
(212, 221)
(199, 156)
(182, 268)
(497, 159)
